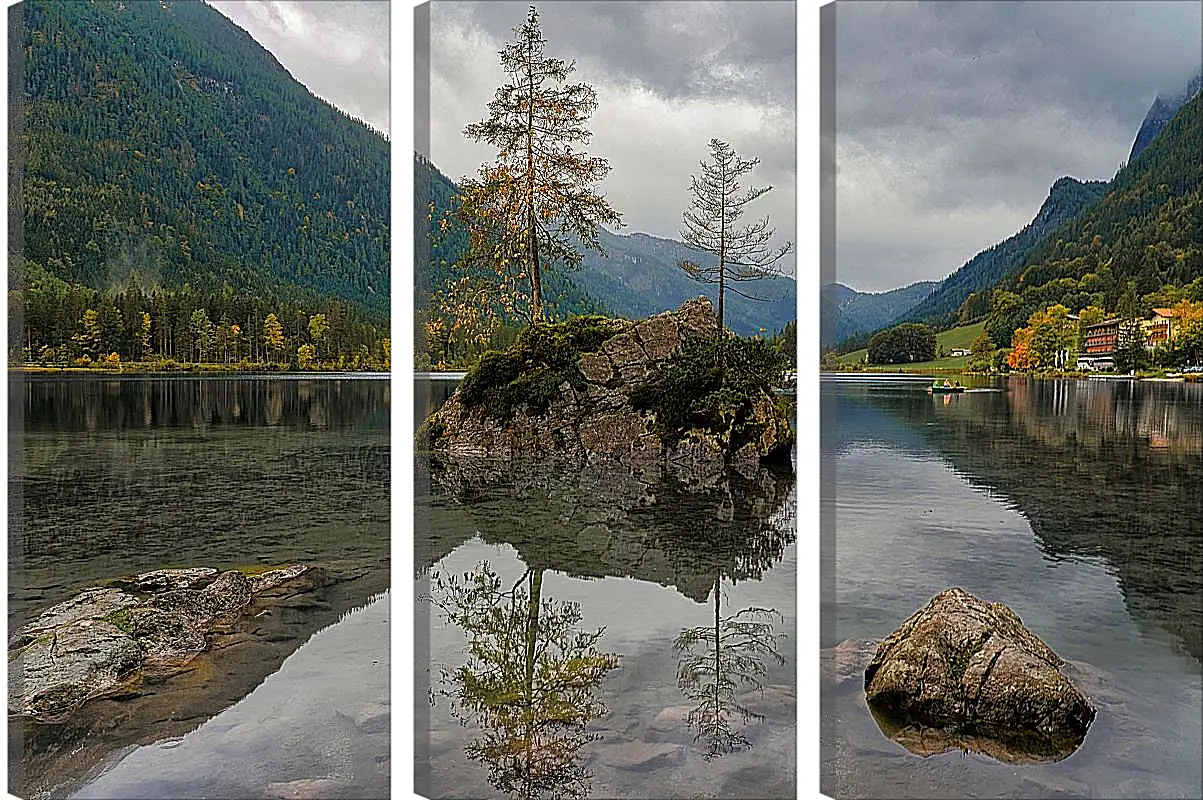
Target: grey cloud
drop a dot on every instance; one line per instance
(669, 76)
(974, 106)
(680, 49)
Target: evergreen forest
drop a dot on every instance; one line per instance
(170, 169)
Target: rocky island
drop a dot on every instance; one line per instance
(666, 394)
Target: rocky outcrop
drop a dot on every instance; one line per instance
(964, 673)
(92, 644)
(591, 419)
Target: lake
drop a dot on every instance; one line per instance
(121, 474)
(601, 634)
(1077, 504)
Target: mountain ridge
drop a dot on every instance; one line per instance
(1067, 198)
(846, 312)
(606, 281)
(163, 145)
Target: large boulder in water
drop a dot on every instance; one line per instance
(971, 670)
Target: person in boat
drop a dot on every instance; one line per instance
(947, 385)
(957, 385)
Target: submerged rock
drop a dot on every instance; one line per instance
(63, 668)
(92, 644)
(964, 673)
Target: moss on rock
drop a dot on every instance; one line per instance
(530, 373)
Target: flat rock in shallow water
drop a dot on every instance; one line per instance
(160, 580)
(971, 671)
(88, 604)
(89, 645)
(62, 669)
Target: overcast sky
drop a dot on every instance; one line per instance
(954, 119)
(669, 76)
(337, 48)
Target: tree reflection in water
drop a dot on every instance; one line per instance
(528, 684)
(716, 662)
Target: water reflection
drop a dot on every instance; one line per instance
(588, 522)
(317, 727)
(529, 684)
(1098, 468)
(85, 403)
(718, 661)
(115, 476)
(926, 741)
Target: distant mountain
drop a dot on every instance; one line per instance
(640, 276)
(845, 312)
(1067, 199)
(637, 277)
(159, 144)
(1161, 112)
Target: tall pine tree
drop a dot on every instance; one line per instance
(711, 224)
(527, 210)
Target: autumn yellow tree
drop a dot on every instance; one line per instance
(529, 208)
(1048, 342)
(273, 334)
(1020, 356)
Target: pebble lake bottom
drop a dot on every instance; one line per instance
(1073, 502)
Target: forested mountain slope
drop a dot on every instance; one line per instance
(1146, 232)
(159, 145)
(948, 306)
(846, 312)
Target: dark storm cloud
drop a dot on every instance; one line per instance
(338, 49)
(963, 114)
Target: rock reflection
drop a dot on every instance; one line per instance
(696, 539)
(589, 522)
(529, 683)
(925, 741)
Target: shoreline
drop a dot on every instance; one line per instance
(249, 371)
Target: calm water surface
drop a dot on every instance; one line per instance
(117, 475)
(1076, 503)
(642, 561)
